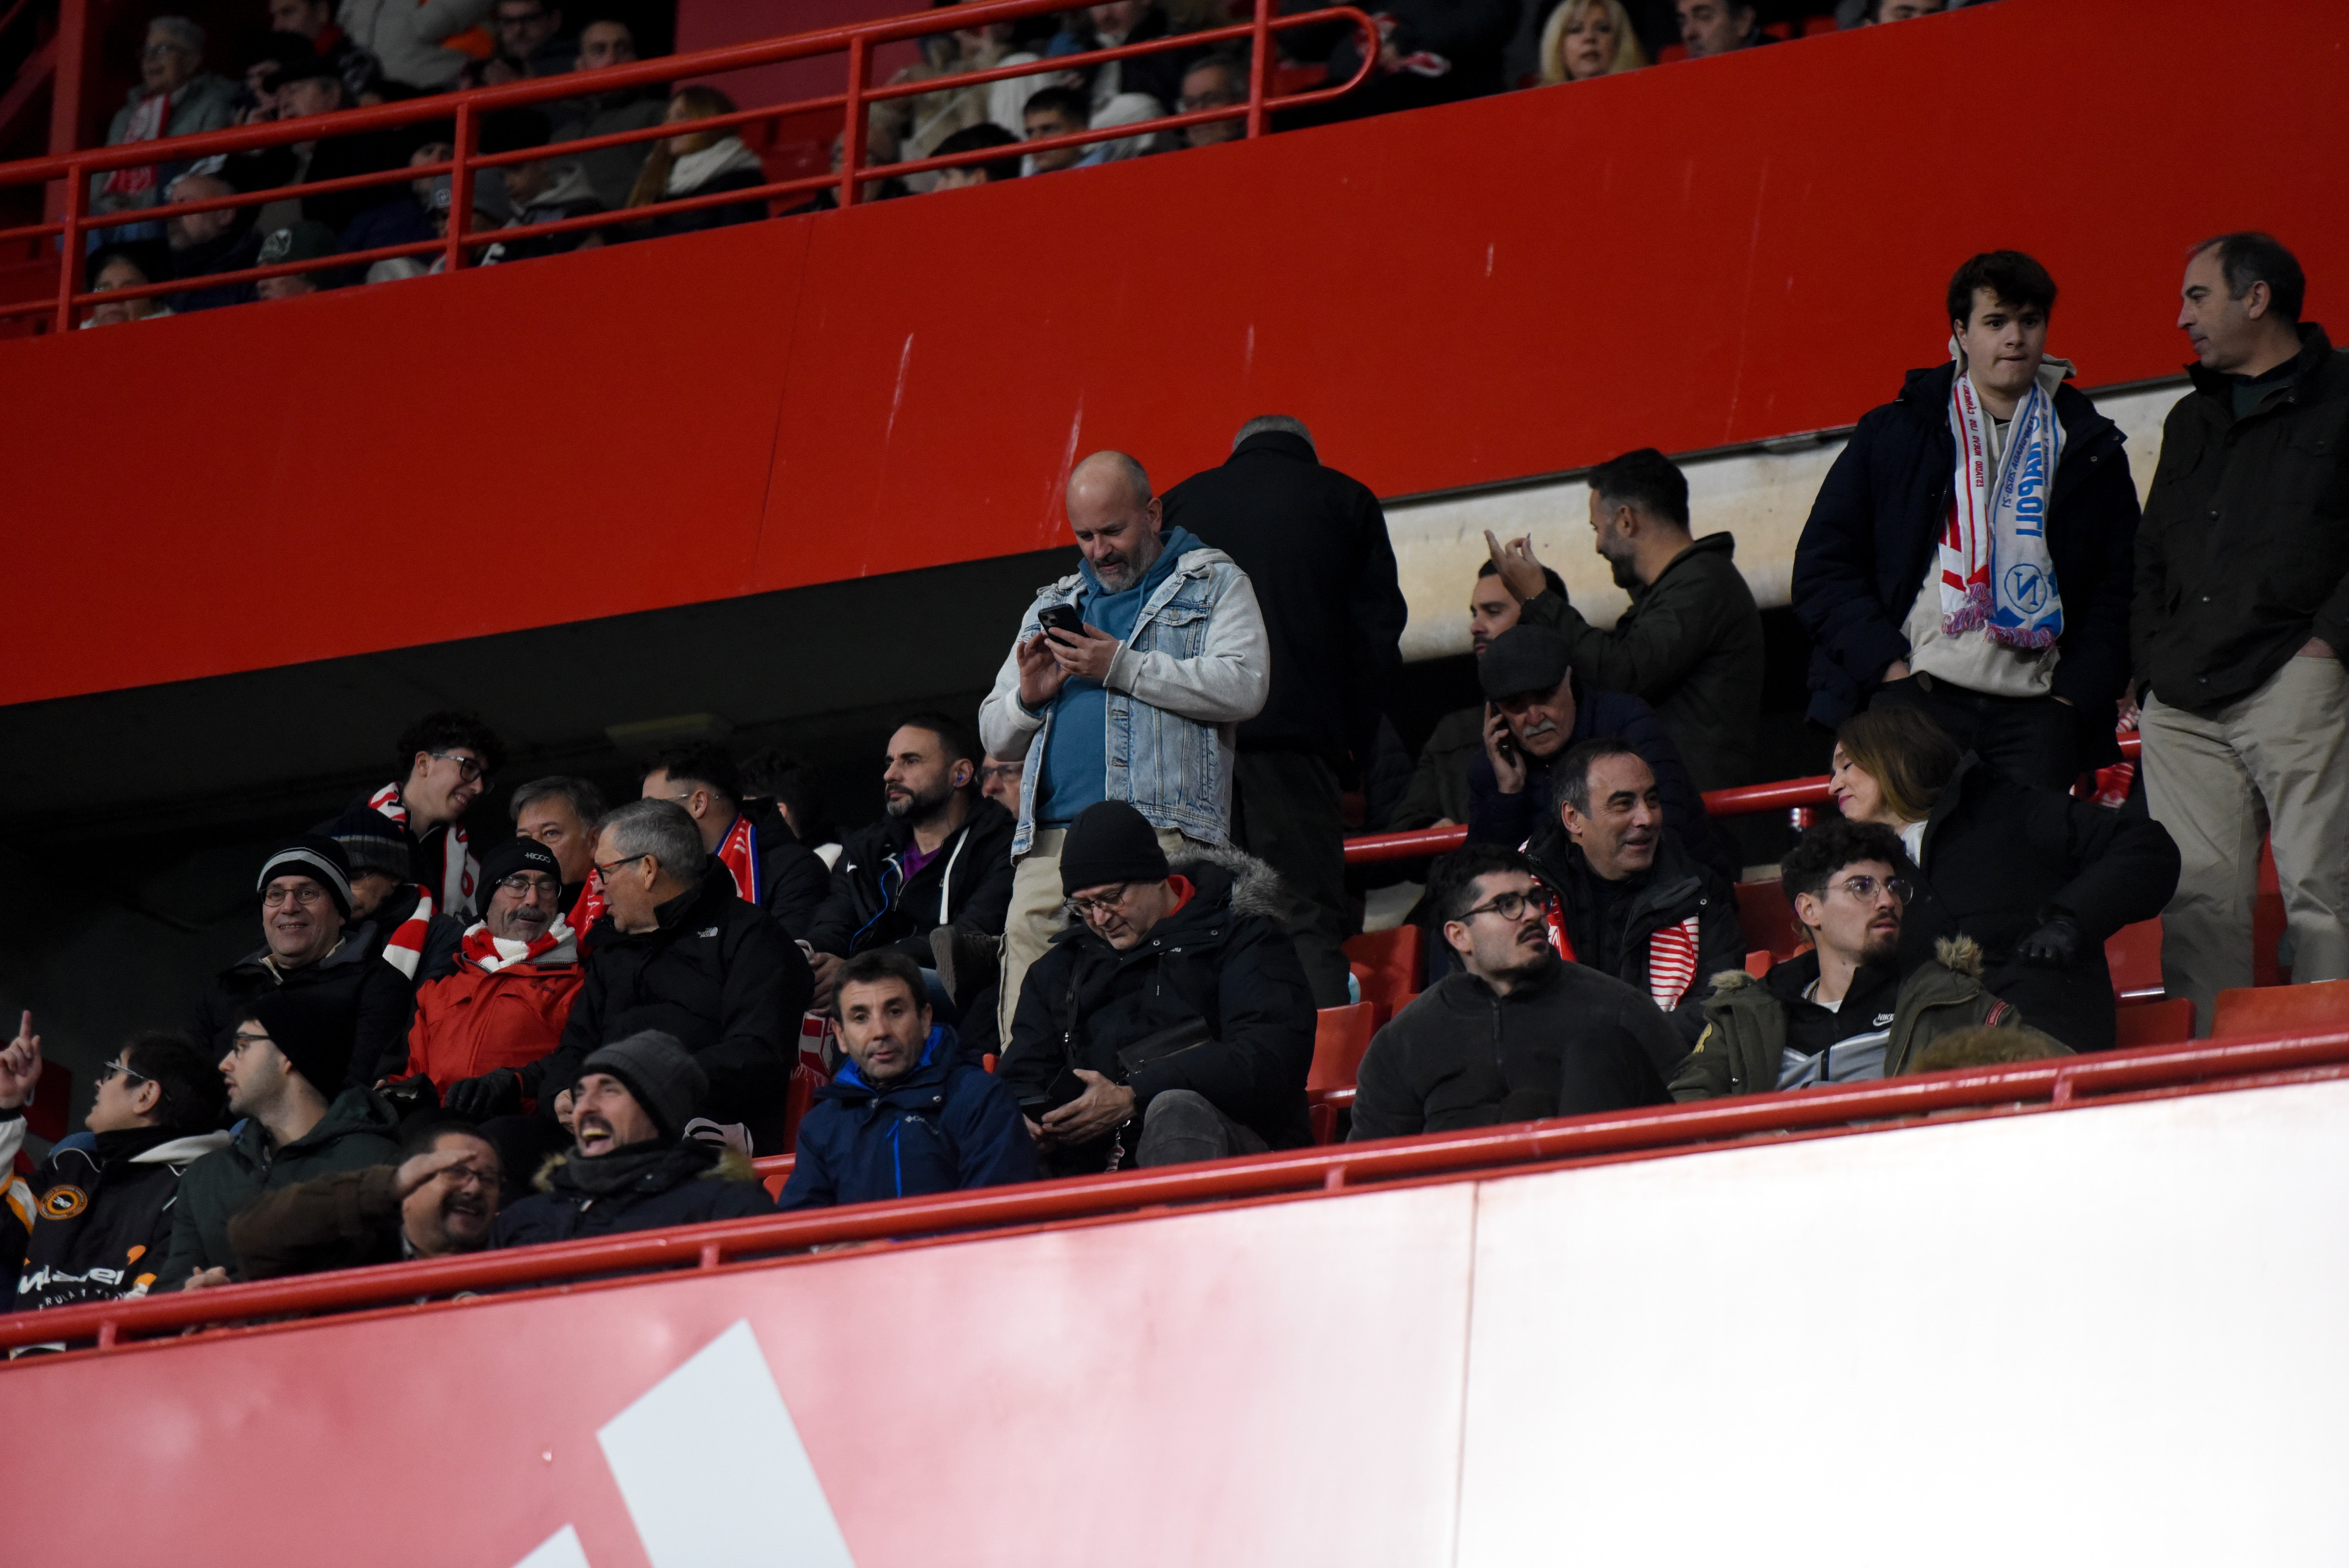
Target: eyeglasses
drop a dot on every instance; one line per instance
(606, 871)
(1508, 906)
(241, 1040)
(119, 1066)
(524, 885)
(304, 894)
(159, 50)
(468, 767)
(463, 1175)
(1095, 908)
(1863, 888)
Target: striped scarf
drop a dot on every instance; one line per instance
(459, 868)
(589, 907)
(150, 120)
(738, 853)
(1672, 954)
(1996, 573)
(490, 953)
(404, 948)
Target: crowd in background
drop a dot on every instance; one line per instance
(321, 57)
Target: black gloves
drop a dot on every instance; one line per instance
(2055, 945)
(409, 1094)
(497, 1092)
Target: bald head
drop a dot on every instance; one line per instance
(196, 228)
(1114, 518)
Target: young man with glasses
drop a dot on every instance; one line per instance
(1519, 1033)
(448, 758)
(1843, 1011)
(92, 1222)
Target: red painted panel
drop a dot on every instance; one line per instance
(1686, 256)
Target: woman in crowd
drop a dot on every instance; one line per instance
(126, 267)
(699, 163)
(2039, 879)
(1587, 38)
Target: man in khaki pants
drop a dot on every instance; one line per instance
(1125, 683)
(2241, 622)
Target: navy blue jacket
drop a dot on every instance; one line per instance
(1880, 516)
(942, 1128)
(694, 1182)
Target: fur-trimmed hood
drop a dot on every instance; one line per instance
(732, 1165)
(1257, 888)
(1958, 955)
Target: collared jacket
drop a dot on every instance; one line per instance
(946, 1126)
(1690, 648)
(473, 1021)
(1196, 665)
(1224, 957)
(1617, 936)
(715, 973)
(359, 1129)
(1567, 1041)
(93, 1222)
(2244, 554)
(1880, 516)
(379, 997)
(874, 903)
(690, 1183)
(1314, 545)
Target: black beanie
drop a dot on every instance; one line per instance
(514, 856)
(1523, 659)
(313, 1031)
(1110, 841)
(372, 841)
(315, 856)
(660, 1072)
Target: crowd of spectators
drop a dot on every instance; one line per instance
(1094, 931)
(322, 55)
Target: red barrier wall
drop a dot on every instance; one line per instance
(1686, 256)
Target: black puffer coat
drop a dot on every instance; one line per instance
(1613, 934)
(691, 1182)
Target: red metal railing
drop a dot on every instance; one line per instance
(2055, 1085)
(1745, 801)
(75, 170)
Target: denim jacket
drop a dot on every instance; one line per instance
(1196, 665)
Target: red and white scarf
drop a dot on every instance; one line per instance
(458, 870)
(490, 953)
(589, 907)
(1672, 954)
(739, 851)
(150, 121)
(1996, 573)
(404, 948)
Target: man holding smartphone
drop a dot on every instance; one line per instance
(1153, 652)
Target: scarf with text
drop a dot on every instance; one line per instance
(1996, 573)
(458, 869)
(491, 953)
(738, 851)
(404, 948)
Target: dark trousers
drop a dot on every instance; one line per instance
(2031, 739)
(1285, 812)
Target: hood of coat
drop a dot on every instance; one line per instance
(690, 1160)
(1958, 955)
(1249, 885)
(182, 1150)
(571, 184)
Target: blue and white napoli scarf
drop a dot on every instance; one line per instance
(1996, 573)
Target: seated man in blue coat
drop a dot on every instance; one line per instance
(910, 1116)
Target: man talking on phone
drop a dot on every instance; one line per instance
(1127, 682)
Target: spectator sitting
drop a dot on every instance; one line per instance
(699, 163)
(1438, 793)
(2037, 878)
(910, 1116)
(976, 139)
(1126, 109)
(1313, 543)
(904, 129)
(308, 89)
(1690, 645)
(439, 1200)
(797, 790)
(771, 868)
(423, 45)
(1177, 1010)
(286, 1052)
(1710, 27)
(2009, 625)
(175, 97)
(1055, 111)
(1902, 10)
(1632, 901)
(1845, 1011)
(999, 777)
(1218, 80)
(91, 1214)
(310, 949)
(1173, 628)
(1516, 1033)
(565, 814)
(409, 934)
(448, 758)
(221, 240)
(506, 1005)
(932, 878)
(530, 41)
(1539, 708)
(676, 951)
(302, 242)
(612, 171)
(129, 266)
(546, 191)
(632, 1167)
(1587, 38)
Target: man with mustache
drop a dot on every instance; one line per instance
(1438, 794)
(1843, 1011)
(1516, 1033)
(1630, 901)
(518, 972)
(439, 1200)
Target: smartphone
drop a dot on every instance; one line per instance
(1062, 618)
(1508, 742)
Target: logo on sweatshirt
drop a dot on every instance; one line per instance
(62, 1202)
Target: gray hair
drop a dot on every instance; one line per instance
(180, 31)
(661, 829)
(1132, 471)
(1272, 425)
(586, 801)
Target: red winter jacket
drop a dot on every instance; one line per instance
(470, 1022)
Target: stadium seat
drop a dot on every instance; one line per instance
(1758, 962)
(2134, 955)
(2253, 1010)
(1763, 911)
(1387, 964)
(799, 1099)
(2169, 1023)
(1341, 1036)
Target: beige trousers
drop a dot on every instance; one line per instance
(1037, 915)
(2277, 762)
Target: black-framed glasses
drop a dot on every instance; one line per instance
(119, 1066)
(1088, 908)
(468, 767)
(606, 871)
(1507, 905)
(522, 884)
(1863, 887)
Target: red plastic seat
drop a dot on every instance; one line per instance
(2255, 1010)
(799, 1099)
(1341, 1036)
(2169, 1023)
(2134, 955)
(1769, 921)
(1387, 964)
(1758, 963)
